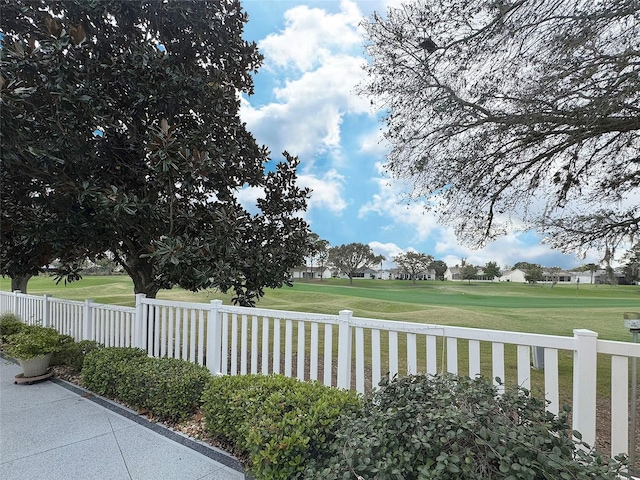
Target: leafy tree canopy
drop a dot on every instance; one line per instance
(128, 111)
(533, 273)
(631, 268)
(469, 272)
(353, 258)
(495, 106)
(491, 270)
(440, 268)
(318, 252)
(413, 263)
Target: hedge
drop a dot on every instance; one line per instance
(170, 388)
(279, 422)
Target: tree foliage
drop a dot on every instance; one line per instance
(352, 258)
(413, 263)
(318, 252)
(533, 273)
(128, 111)
(469, 272)
(631, 267)
(491, 270)
(454, 428)
(440, 268)
(494, 106)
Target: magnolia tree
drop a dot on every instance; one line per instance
(121, 129)
(514, 114)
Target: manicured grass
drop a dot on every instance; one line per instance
(503, 306)
(499, 306)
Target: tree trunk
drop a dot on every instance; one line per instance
(350, 280)
(19, 282)
(141, 272)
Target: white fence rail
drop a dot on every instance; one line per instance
(346, 351)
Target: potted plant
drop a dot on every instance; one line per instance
(32, 347)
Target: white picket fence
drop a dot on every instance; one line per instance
(345, 351)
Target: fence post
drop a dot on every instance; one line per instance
(16, 304)
(138, 333)
(344, 349)
(46, 310)
(214, 338)
(585, 360)
(87, 321)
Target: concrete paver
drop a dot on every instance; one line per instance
(50, 431)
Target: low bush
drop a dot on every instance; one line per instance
(32, 341)
(279, 422)
(73, 353)
(168, 387)
(10, 324)
(173, 387)
(448, 427)
(103, 369)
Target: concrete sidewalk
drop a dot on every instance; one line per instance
(50, 431)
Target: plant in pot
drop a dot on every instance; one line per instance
(32, 347)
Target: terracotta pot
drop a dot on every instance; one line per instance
(35, 366)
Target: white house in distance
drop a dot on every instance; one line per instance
(515, 275)
(306, 272)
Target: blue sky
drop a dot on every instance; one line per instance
(305, 103)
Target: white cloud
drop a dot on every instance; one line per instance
(311, 35)
(386, 204)
(307, 115)
(505, 251)
(248, 197)
(389, 250)
(305, 112)
(373, 143)
(327, 191)
(440, 241)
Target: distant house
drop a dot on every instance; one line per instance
(560, 276)
(384, 274)
(304, 271)
(429, 274)
(453, 273)
(586, 278)
(367, 274)
(516, 275)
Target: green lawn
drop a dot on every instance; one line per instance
(502, 306)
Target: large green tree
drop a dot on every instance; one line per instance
(469, 272)
(491, 270)
(440, 268)
(514, 113)
(413, 263)
(318, 252)
(353, 258)
(533, 273)
(130, 110)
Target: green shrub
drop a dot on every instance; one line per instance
(280, 422)
(448, 427)
(72, 353)
(170, 388)
(229, 403)
(104, 368)
(33, 341)
(10, 324)
(173, 387)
